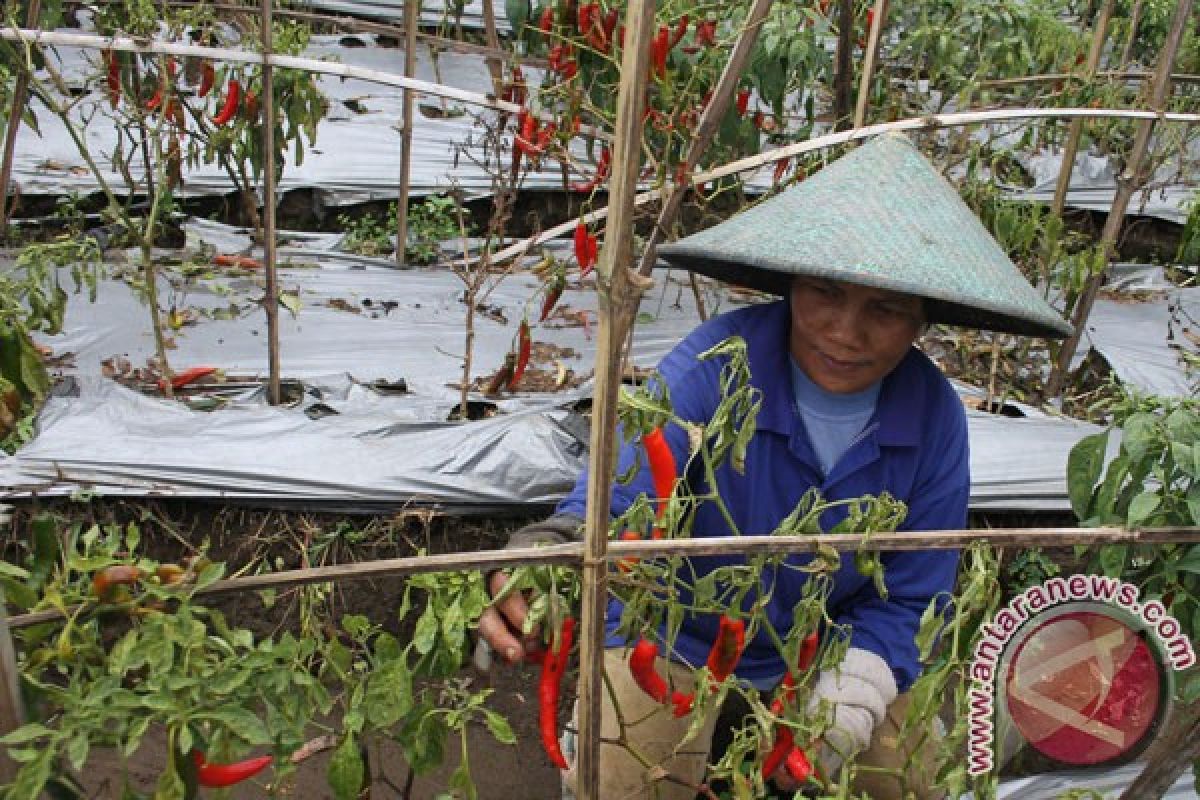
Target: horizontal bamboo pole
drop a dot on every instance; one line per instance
(572, 554)
(1117, 74)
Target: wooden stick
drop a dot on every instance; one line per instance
(706, 128)
(572, 554)
(864, 84)
(19, 97)
(843, 66)
(617, 302)
(1075, 133)
(412, 10)
(1173, 756)
(271, 295)
(1132, 178)
(1106, 74)
(12, 711)
(1135, 20)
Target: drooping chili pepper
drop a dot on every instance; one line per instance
(113, 77)
(586, 14)
(104, 581)
(250, 107)
(626, 564)
(546, 21)
(218, 776)
(569, 70)
(207, 75)
(527, 139)
(662, 467)
(785, 750)
(189, 375)
(524, 346)
(780, 169)
(706, 32)
(593, 250)
(502, 376)
(610, 23)
(726, 648)
(743, 101)
(554, 664)
(659, 48)
(583, 250)
(641, 667)
(680, 29)
(233, 97)
(155, 100)
(602, 168)
(554, 290)
(241, 262)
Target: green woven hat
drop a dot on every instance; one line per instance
(880, 216)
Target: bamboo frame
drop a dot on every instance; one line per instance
(412, 10)
(620, 288)
(19, 97)
(572, 554)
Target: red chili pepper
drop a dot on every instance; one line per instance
(115, 575)
(780, 169)
(189, 375)
(659, 48)
(586, 13)
(727, 648)
(581, 246)
(554, 291)
(524, 345)
(626, 564)
(155, 100)
(241, 262)
(808, 651)
(743, 101)
(662, 467)
(555, 57)
(218, 776)
(593, 250)
(554, 664)
(207, 76)
(641, 667)
(502, 377)
(680, 29)
(569, 70)
(250, 107)
(706, 32)
(546, 21)
(610, 23)
(233, 95)
(113, 77)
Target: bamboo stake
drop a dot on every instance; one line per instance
(412, 11)
(495, 66)
(1135, 20)
(12, 711)
(1071, 147)
(1132, 178)
(864, 84)
(843, 65)
(20, 96)
(619, 290)
(571, 555)
(271, 298)
(706, 128)
(1174, 755)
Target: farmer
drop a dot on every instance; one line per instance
(865, 254)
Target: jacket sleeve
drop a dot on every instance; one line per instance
(938, 501)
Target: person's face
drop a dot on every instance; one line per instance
(846, 337)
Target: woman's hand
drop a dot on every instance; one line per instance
(501, 624)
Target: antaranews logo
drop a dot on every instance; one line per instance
(1080, 666)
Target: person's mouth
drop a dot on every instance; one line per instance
(842, 365)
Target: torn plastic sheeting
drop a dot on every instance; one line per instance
(1141, 339)
(433, 12)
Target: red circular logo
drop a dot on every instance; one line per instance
(1084, 688)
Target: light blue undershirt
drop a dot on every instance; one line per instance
(832, 420)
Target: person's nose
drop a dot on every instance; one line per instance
(845, 327)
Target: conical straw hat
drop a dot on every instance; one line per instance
(880, 216)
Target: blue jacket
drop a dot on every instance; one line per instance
(915, 447)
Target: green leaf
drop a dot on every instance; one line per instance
(1190, 562)
(1193, 503)
(1084, 465)
(1112, 559)
(1138, 434)
(8, 570)
(346, 770)
(290, 301)
(425, 634)
(389, 694)
(26, 733)
(501, 730)
(242, 723)
(1141, 507)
